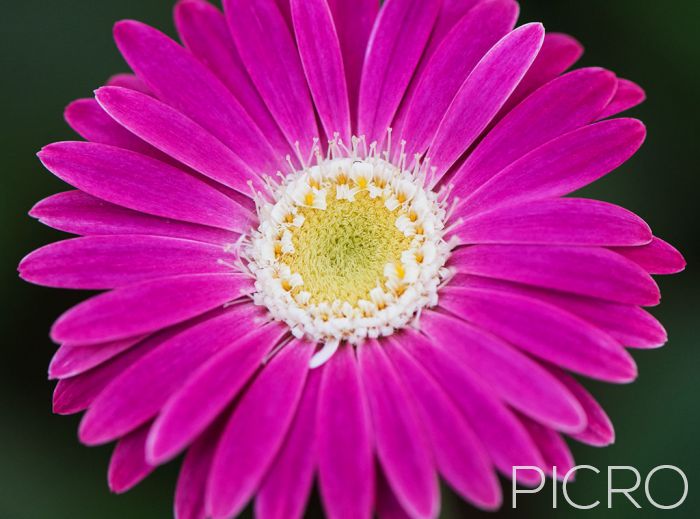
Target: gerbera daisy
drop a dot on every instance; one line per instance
(335, 246)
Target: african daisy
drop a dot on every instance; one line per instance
(335, 246)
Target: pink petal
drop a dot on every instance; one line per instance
(543, 330)
(344, 442)
(70, 360)
(178, 136)
(459, 454)
(628, 96)
(451, 12)
(657, 257)
(483, 93)
(561, 166)
(204, 31)
(139, 393)
(189, 87)
(287, 485)
(402, 448)
(136, 181)
(128, 466)
(562, 105)
(77, 212)
(256, 431)
(216, 382)
(274, 66)
(131, 81)
(588, 271)
(398, 39)
(319, 49)
(387, 505)
(514, 377)
(559, 221)
(147, 307)
(552, 446)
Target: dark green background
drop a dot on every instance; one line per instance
(55, 51)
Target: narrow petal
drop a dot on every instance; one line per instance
(178, 136)
(561, 166)
(483, 93)
(402, 448)
(501, 433)
(204, 31)
(628, 96)
(459, 454)
(102, 262)
(319, 49)
(599, 431)
(514, 377)
(147, 307)
(387, 505)
(588, 271)
(558, 53)
(345, 460)
(451, 12)
(450, 65)
(188, 86)
(552, 446)
(77, 212)
(217, 383)
(658, 257)
(128, 465)
(274, 66)
(131, 81)
(630, 325)
(398, 39)
(562, 105)
(559, 221)
(285, 490)
(70, 360)
(136, 181)
(256, 431)
(353, 23)
(138, 393)
(543, 330)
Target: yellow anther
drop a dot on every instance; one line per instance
(401, 197)
(361, 182)
(286, 285)
(413, 216)
(419, 257)
(309, 198)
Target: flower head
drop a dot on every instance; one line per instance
(334, 244)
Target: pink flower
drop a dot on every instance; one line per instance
(293, 291)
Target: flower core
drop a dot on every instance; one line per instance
(349, 248)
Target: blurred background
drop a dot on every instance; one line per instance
(53, 52)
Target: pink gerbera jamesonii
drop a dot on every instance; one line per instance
(335, 246)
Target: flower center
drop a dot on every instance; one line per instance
(349, 248)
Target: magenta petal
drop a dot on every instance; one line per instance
(274, 65)
(178, 136)
(285, 490)
(451, 12)
(658, 257)
(188, 86)
(204, 31)
(541, 329)
(559, 221)
(628, 96)
(483, 93)
(322, 60)
(562, 105)
(459, 454)
(402, 448)
(131, 81)
(552, 446)
(449, 66)
(353, 23)
(128, 466)
(588, 271)
(102, 262)
(501, 433)
(216, 382)
(387, 506)
(70, 360)
(256, 430)
(138, 393)
(136, 181)
(147, 307)
(345, 460)
(395, 46)
(560, 166)
(76, 212)
(515, 378)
